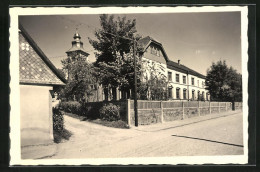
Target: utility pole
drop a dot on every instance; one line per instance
(135, 87)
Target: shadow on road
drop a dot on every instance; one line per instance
(209, 140)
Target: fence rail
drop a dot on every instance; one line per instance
(160, 111)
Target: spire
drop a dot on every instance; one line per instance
(76, 35)
(77, 46)
(77, 40)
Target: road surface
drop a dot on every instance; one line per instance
(218, 136)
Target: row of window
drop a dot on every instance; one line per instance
(155, 51)
(177, 93)
(177, 79)
(184, 94)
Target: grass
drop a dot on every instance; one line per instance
(60, 136)
(114, 124)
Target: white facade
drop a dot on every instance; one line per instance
(190, 86)
(183, 82)
(36, 115)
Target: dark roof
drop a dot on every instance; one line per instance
(80, 49)
(181, 68)
(146, 41)
(34, 66)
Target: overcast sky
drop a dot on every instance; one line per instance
(197, 39)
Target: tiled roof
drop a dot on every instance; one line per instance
(34, 66)
(145, 42)
(181, 68)
(74, 48)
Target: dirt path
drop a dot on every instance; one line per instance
(219, 135)
(88, 138)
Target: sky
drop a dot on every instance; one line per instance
(196, 39)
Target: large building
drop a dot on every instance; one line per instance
(183, 83)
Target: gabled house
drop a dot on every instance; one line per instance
(183, 82)
(37, 76)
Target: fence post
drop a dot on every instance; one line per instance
(218, 107)
(162, 111)
(209, 107)
(233, 106)
(128, 112)
(183, 110)
(199, 108)
(226, 106)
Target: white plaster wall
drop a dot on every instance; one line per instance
(187, 86)
(197, 87)
(35, 115)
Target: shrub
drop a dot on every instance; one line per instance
(110, 112)
(72, 107)
(59, 131)
(58, 120)
(92, 109)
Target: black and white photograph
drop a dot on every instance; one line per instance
(133, 85)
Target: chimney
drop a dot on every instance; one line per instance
(179, 62)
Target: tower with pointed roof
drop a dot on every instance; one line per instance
(77, 51)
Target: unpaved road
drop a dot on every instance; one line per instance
(220, 136)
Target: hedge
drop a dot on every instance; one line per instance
(72, 107)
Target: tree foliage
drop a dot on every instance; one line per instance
(80, 83)
(153, 82)
(115, 53)
(110, 38)
(57, 89)
(224, 83)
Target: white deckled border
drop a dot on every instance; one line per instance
(15, 150)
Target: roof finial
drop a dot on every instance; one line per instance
(76, 35)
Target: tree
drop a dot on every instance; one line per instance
(153, 82)
(58, 89)
(115, 53)
(223, 82)
(80, 82)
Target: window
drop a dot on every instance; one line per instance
(184, 79)
(184, 93)
(169, 76)
(177, 93)
(192, 81)
(202, 96)
(198, 95)
(155, 51)
(158, 52)
(193, 96)
(177, 77)
(169, 93)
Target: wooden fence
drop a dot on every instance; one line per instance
(159, 111)
(150, 112)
